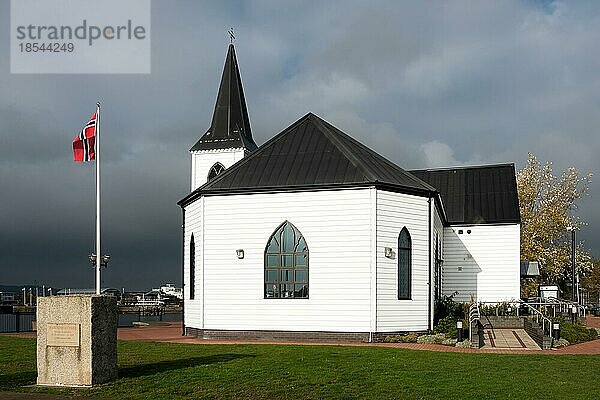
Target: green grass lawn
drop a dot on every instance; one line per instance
(171, 371)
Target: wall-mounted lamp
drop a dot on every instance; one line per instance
(389, 253)
(240, 253)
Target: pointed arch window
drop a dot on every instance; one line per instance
(286, 264)
(192, 268)
(215, 170)
(404, 265)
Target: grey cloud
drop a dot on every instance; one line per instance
(483, 82)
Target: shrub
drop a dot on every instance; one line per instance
(560, 343)
(575, 333)
(434, 339)
(447, 326)
(465, 343)
(446, 307)
(407, 338)
(449, 342)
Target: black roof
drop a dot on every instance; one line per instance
(476, 195)
(312, 153)
(230, 127)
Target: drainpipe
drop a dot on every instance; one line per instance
(429, 327)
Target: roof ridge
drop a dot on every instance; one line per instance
(356, 161)
(373, 152)
(479, 166)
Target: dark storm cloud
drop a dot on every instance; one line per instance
(423, 84)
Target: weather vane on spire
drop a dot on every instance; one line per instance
(231, 36)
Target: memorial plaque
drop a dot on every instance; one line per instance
(62, 335)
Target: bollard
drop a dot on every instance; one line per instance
(556, 331)
(459, 330)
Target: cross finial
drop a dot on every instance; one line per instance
(231, 36)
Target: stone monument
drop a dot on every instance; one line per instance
(76, 340)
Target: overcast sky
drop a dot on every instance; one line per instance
(423, 83)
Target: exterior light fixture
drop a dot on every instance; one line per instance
(240, 253)
(459, 331)
(103, 261)
(389, 253)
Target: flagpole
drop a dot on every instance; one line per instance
(97, 156)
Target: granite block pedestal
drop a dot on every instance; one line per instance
(76, 340)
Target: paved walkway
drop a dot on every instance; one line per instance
(171, 333)
(509, 339)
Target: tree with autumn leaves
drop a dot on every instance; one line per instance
(548, 205)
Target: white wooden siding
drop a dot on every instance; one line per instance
(395, 211)
(203, 160)
(337, 228)
(193, 225)
(438, 231)
(483, 264)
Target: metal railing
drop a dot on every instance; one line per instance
(474, 316)
(565, 306)
(546, 322)
(17, 322)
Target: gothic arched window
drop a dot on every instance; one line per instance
(192, 268)
(286, 264)
(404, 265)
(215, 170)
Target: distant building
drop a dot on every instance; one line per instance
(170, 290)
(7, 298)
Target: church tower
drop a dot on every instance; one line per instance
(229, 138)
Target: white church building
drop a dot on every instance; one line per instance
(314, 236)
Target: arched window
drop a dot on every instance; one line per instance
(215, 170)
(404, 265)
(192, 268)
(286, 264)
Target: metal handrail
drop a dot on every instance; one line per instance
(563, 305)
(474, 315)
(546, 322)
(538, 314)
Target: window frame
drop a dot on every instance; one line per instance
(408, 274)
(280, 268)
(214, 168)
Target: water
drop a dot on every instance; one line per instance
(128, 319)
(23, 322)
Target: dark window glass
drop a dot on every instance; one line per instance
(271, 275)
(215, 170)
(192, 268)
(404, 265)
(273, 260)
(286, 264)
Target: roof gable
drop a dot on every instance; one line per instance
(476, 195)
(230, 126)
(312, 153)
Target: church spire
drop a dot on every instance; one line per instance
(230, 127)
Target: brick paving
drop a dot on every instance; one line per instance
(593, 322)
(171, 333)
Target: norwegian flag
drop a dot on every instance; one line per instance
(83, 144)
